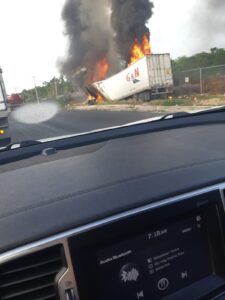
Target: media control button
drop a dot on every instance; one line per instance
(184, 275)
(163, 284)
(140, 295)
(129, 273)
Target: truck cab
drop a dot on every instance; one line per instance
(14, 101)
(4, 114)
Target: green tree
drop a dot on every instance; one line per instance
(200, 60)
(49, 89)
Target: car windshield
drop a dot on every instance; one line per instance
(73, 66)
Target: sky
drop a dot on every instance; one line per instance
(169, 26)
(32, 37)
(32, 40)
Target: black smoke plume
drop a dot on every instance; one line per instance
(87, 27)
(98, 29)
(129, 19)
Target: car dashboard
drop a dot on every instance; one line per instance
(173, 249)
(138, 217)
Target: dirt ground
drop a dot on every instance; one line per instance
(141, 108)
(194, 103)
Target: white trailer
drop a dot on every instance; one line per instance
(148, 76)
(4, 113)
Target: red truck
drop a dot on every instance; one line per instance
(15, 100)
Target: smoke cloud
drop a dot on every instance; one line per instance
(99, 30)
(129, 18)
(87, 26)
(207, 25)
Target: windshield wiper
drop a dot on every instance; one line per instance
(175, 115)
(182, 114)
(187, 114)
(213, 109)
(171, 121)
(25, 143)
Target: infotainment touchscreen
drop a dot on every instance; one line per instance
(155, 263)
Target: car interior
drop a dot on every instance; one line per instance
(134, 212)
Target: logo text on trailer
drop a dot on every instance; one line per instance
(134, 76)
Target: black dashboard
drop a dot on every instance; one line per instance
(137, 217)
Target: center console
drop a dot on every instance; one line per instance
(172, 250)
(158, 262)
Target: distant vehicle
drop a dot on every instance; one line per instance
(15, 100)
(149, 76)
(4, 113)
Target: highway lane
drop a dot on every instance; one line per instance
(71, 122)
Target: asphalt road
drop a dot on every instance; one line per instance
(71, 122)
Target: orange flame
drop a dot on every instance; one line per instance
(102, 69)
(89, 97)
(100, 99)
(139, 50)
(100, 72)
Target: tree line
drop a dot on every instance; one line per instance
(216, 56)
(193, 73)
(55, 88)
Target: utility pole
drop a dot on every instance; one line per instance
(36, 91)
(56, 88)
(201, 83)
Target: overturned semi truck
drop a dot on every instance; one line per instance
(143, 80)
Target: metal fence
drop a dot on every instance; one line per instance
(200, 81)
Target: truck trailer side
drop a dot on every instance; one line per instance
(149, 76)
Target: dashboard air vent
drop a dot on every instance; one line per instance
(32, 277)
